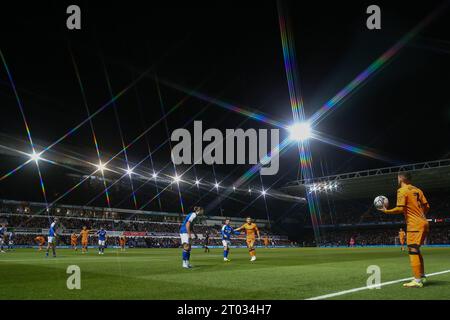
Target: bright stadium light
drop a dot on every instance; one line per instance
(154, 175)
(249, 190)
(101, 167)
(300, 131)
(197, 182)
(263, 192)
(216, 185)
(176, 179)
(129, 171)
(234, 188)
(323, 187)
(35, 156)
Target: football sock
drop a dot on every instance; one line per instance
(422, 266)
(185, 256)
(414, 260)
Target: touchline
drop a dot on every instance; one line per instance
(241, 147)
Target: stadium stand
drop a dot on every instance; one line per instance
(345, 205)
(142, 229)
(341, 220)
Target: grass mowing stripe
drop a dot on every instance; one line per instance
(340, 293)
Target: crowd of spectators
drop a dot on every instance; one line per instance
(142, 242)
(362, 211)
(342, 220)
(29, 222)
(379, 236)
(76, 223)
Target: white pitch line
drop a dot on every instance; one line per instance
(341, 293)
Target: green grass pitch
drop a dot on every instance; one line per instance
(290, 273)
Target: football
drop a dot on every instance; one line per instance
(380, 202)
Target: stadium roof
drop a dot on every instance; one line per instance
(433, 175)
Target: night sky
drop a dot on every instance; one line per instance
(231, 51)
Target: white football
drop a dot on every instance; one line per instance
(380, 202)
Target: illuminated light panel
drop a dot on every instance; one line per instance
(322, 187)
(300, 131)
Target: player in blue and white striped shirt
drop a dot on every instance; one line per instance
(185, 235)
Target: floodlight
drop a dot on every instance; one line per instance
(101, 167)
(129, 171)
(300, 131)
(176, 179)
(35, 156)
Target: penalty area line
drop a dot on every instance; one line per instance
(341, 293)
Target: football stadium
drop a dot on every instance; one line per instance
(229, 151)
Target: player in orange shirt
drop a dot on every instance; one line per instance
(412, 203)
(122, 241)
(41, 241)
(74, 241)
(266, 241)
(251, 230)
(84, 234)
(401, 238)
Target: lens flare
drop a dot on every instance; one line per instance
(34, 156)
(374, 67)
